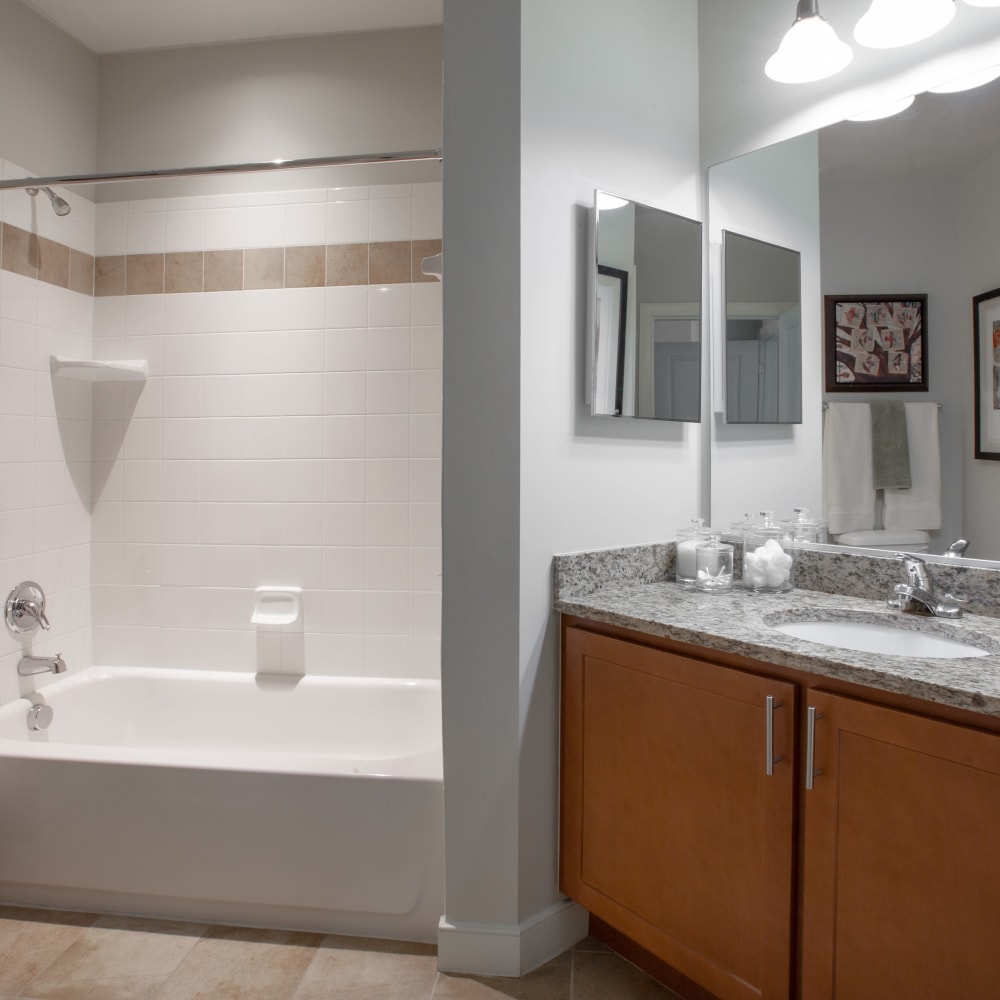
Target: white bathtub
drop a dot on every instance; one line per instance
(312, 803)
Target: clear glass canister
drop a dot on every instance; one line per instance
(768, 556)
(714, 566)
(688, 540)
(805, 528)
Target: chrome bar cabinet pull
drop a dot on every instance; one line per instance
(769, 706)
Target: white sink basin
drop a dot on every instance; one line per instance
(878, 637)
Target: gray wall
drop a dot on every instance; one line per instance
(531, 129)
(332, 94)
(897, 238)
(979, 209)
(48, 117)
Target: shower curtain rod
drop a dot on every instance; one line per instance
(357, 159)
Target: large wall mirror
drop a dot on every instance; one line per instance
(763, 331)
(645, 348)
(912, 201)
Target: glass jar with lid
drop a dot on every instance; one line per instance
(688, 539)
(714, 565)
(768, 556)
(805, 528)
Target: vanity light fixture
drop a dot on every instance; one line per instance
(969, 82)
(810, 49)
(882, 111)
(890, 24)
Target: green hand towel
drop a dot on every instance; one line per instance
(890, 447)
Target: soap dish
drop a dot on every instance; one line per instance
(277, 606)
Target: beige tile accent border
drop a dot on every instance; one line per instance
(213, 270)
(261, 267)
(37, 257)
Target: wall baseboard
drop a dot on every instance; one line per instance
(510, 949)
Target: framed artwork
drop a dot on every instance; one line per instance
(986, 351)
(875, 343)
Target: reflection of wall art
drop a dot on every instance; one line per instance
(875, 343)
(986, 347)
(996, 364)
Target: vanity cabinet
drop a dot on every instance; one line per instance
(901, 856)
(882, 880)
(673, 831)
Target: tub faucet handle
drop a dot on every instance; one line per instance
(37, 612)
(25, 610)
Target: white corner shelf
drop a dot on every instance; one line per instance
(99, 371)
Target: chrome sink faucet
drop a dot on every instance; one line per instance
(917, 595)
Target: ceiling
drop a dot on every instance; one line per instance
(109, 26)
(942, 135)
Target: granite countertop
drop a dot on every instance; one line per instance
(739, 622)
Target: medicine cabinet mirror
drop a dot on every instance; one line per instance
(645, 304)
(763, 332)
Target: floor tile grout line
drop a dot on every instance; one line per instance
(305, 972)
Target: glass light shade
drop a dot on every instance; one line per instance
(883, 111)
(889, 24)
(969, 82)
(809, 51)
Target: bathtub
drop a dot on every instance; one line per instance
(309, 803)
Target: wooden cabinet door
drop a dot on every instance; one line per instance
(902, 857)
(672, 830)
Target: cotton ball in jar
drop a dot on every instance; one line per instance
(768, 566)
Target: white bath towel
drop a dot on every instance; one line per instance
(920, 505)
(848, 487)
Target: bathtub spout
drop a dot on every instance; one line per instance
(29, 665)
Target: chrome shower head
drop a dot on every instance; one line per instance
(59, 205)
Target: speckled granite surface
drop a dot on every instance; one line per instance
(873, 576)
(584, 572)
(637, 594)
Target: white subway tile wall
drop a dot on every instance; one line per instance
(287, 436)
(46, 479)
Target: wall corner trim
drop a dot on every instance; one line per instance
(510, 949)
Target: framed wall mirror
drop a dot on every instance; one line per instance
(763, 331)
(644, 356)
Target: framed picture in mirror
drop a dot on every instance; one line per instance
(875, 343)
(986, 352)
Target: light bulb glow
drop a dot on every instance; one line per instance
(889, 24)
(969, 82)
(606, 201)
(883, 111)
(809, 51)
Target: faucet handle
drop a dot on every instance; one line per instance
(916, 571)
(37, 612)
(25, 608)
(957, 548)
